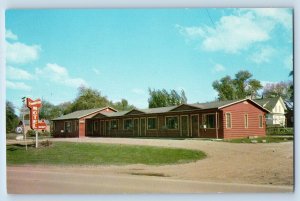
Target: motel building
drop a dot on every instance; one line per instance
(221, 119)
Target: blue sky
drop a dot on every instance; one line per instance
(123, 52)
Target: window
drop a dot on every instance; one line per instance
(246, 120)
(151, 122)
(228, 120)
(210, 120)
(128, 124)
(114, 124)
(260, 121)
(172, 122)
(67, 126)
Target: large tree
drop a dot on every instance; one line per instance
(89, 98)
(49, 111)
(122, 105)
(239, 87)
(11, 118)
(277, 89)
(163, 98)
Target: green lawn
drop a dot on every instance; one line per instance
(69, 153)
(268, 139)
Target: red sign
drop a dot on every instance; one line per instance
(34, 106)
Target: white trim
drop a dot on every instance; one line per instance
(192, 124)
(124, 123)
(214, 114)
(155, 124)
(117, 120)
(246, 120)
(145, 134)
(177, 116)
(138, 127)
(246, 99)
(188, 129)
(262, 121)
(226, 120)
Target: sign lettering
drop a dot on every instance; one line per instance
(34, 106)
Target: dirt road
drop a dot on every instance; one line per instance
(229, 167)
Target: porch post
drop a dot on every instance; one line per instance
(217, 125)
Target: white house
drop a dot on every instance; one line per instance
(277, 108)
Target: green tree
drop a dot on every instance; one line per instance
(163, 98)
(49, 111)
(122, 105)
(225, 88)
(89, 98)
(239, 87)
(11, 118)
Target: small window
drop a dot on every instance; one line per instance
(53, 127)
(210, 120)
(246, 120)
(260, 121)
(151, 122)
(114, 124)
(68, 126)
(228, 120)
(172, 122)
(128, 124)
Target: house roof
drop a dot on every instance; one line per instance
(80, 113)
(269, 103)
(158, 109)
(201, 106)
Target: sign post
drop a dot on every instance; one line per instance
(23, 114)
(35, 124)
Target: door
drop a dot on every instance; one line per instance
(143, 127)
(107, 128)
(136, 127)
(102, 128)
(184, 125)
(195, 125)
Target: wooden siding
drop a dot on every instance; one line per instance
(81, 132)
(60, 126)
(238, 129)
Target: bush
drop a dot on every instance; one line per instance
(280, 131)
(31, 133)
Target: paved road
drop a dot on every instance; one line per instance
(47, 181)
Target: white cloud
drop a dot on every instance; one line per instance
(59, 74)
(236, 32)
(10, 35)
(18, 74)
(218, 68)
(20, 53)
(17, 86)
(138, 91)
(280, 15)
(263, 55)
(95, 70)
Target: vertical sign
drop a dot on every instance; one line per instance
(34, 106)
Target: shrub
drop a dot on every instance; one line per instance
(31, 133)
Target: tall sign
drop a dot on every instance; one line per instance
(34, 106)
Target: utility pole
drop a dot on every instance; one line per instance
(23, 114)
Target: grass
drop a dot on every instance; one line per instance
(260, 140)
(70, 153)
